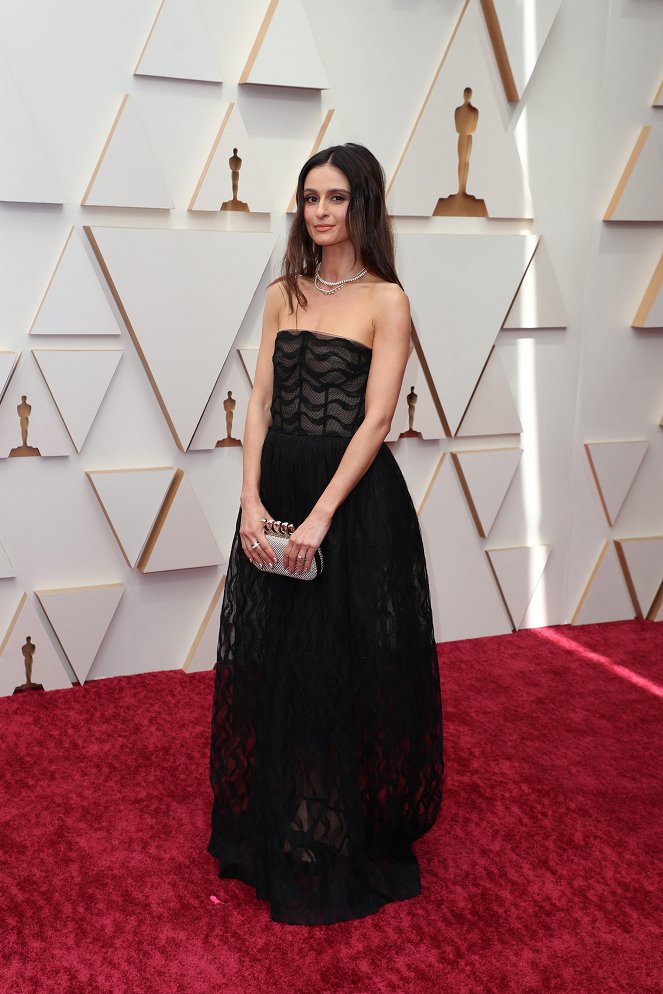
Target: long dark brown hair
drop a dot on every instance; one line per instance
(368, 223)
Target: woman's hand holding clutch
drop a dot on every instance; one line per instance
(252, 534)
(305, 541)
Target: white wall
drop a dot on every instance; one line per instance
(596, 379)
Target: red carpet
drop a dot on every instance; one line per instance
(543, 873)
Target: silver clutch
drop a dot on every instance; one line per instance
(277, 533)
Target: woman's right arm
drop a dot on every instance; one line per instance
(258, 420)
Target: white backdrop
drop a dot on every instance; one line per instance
(595, 380)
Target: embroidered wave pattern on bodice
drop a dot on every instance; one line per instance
(319, 383)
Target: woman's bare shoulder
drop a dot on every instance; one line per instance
(276, 288)
(276, 298)
(389, 296)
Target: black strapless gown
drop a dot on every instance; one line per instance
(326, 759)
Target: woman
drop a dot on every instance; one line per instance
(326, 753)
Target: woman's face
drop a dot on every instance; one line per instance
(326, 199)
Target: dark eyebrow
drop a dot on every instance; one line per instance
(309, 189)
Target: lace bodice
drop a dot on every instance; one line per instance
(319, 383)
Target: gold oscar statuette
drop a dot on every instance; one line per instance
(235, 164)
(463, 204)
(229, 405)
(24, 410)
(411, 404)
(28, 650)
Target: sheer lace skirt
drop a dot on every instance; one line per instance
(326, 748)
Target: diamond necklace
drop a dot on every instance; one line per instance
(334, 284)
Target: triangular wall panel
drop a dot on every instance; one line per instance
(181, 537)
(614, 466)
(485, 476)
(46, 435)
(80, 617)
(426, 418)
(178, 45)
(127, 173)
(214, 187)
(466, 602)
(420, 462)
(428, 169)
(639, 193)
(212, 432)
(284, 52)
(518, 30)
(249, 359)
(131, 500)
(202, 654)
(8, 363)
(538, 303)
(47, 668)
(78, 380)
(650, 312)
(26, 175)
(642, 562)
(461, 287)
(185, 310)
(492, 409)
(605, 596)
(74, 302)
(518, 571)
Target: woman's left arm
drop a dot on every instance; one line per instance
(391, 346)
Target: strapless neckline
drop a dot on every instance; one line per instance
(323, 334)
